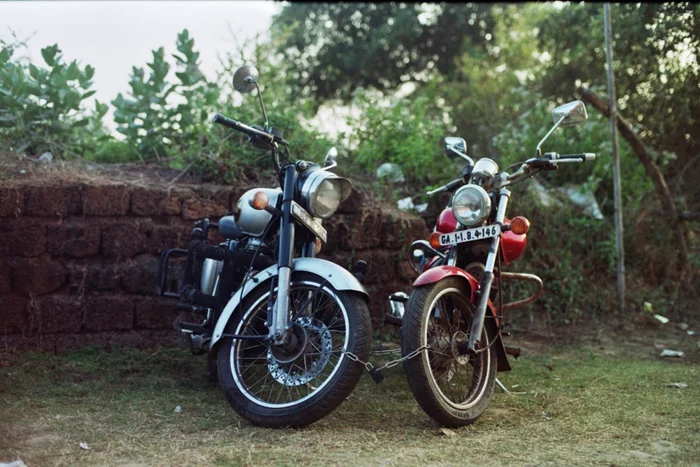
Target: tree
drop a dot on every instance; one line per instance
(331, 49)
(656, 72)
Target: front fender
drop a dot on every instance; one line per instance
(339, 277)
(434, 275)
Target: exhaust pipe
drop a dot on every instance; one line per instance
(396, 307)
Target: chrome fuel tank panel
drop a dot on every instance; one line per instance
(250, 220)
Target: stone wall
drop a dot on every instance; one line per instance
(78, 260)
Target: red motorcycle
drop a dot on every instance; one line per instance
(451, 336)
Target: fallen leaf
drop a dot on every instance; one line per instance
(447, 432)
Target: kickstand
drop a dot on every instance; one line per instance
(510, 393)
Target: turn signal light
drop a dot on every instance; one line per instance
(260, 201)
(317, 248)
(519, 225)
(434, 240)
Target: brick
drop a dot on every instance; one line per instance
(404, 272)
(164, 237)
(22, 237)
(206, 202)
(75, 239)
(361, 232)
(93, 276)
(105, 200)
(12, 201)
(5, 277)
(155, 202)
(12, 314)
(37, 276)
(332, 226)
(55, 314)
(353, 204)
(400, 231)
(139, 276)
(108, 313)
(123, 240)
(381, 267)
(53, 200)
(155, 313)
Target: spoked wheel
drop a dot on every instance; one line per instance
(307, 377)
(452, 387)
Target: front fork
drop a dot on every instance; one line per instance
(280, 311)
(487, 276)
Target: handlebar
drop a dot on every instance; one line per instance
(450, 186)
(250, 131)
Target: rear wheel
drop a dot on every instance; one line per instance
(296, 384)
(450, 386)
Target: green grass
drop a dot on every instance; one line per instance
(584, 406)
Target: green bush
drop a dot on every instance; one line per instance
(41, 108)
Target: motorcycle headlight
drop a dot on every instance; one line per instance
(471, 205)
(322, 192)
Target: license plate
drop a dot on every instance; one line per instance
(303, 216)
(470, 235)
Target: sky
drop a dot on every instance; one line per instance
(114, 36)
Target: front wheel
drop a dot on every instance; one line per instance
(451, 387)
(296, 384)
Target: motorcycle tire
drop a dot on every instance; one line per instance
(440, 315)
(279, 393)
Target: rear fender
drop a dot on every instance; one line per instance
(491, 323)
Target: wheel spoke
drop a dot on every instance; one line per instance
(323, 321)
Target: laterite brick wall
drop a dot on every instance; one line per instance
(78, 260)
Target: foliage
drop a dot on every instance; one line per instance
(656, 71)
(41, 108)
(150, 121)
(403, 133)
(331, 49)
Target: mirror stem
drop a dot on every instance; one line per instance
(538, 151)
(262, 106)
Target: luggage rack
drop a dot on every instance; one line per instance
(164, 264)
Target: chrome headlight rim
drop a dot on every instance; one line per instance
(310, 191)
(484, 201)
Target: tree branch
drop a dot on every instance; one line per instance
(653, 171)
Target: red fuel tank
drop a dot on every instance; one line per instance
(446, 222)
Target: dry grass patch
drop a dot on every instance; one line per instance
(584, 406)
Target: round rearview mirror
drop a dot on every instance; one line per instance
(417, 254)
(245, 79)
(453, 144)
(331, 156)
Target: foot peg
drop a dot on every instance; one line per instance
(396, 308)
(360, 270)
(513, 350)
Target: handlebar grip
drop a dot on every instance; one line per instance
(225, 121)
(585, 157)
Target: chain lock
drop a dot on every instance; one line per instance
(374, 372)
